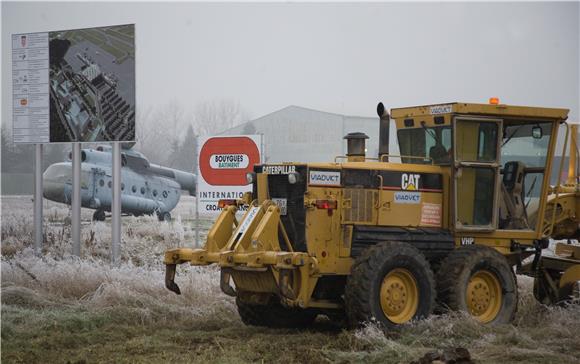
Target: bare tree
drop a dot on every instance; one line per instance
(184, 154)
(160, 130)
(166, 135)
(148, 136)
(215, 116)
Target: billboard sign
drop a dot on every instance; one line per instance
(74, 85)
(223, 164)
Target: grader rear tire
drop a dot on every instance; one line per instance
(478, 279)
(274, 315)
(390, 283)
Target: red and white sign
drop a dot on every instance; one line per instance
(223, 164)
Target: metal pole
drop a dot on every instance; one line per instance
(196, 219)
(116, 204)
(197, 196)
(38, 199)
(76, 199)
(572, 162)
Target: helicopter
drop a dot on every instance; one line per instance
(146, 188)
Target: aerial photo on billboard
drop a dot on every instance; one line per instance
(92, 84)
(74, 85)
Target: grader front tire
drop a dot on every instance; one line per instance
(274, 315)
(478, 280)
(390, 283)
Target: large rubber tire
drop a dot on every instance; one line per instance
(368, 274)
(468, 262)
(274, 315)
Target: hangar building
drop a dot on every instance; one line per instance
(300, 134)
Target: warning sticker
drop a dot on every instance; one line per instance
(431, 214)
(248, 221)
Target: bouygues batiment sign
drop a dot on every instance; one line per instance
(223, 164)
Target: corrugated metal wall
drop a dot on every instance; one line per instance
(304, 135)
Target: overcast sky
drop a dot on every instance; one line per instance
(341, 58)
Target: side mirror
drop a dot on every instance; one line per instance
(537, 132)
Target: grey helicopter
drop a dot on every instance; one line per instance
(146, 188)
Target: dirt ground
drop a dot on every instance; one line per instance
(58, 308)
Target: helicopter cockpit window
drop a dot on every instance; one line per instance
(425, 145)
(524, 152)
(58, 173)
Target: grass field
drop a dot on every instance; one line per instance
(118, 49)
(63, 309)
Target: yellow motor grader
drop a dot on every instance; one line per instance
(477, 190)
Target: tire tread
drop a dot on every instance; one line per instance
(359, 283)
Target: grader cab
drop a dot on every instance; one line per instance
(475, 192)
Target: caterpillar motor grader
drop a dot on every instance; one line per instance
(471, 197)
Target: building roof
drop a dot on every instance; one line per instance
(91, 72)
(290, 109)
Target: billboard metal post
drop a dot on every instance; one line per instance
(76, 199)
(38, 223)
(116, 204)
(197, 212)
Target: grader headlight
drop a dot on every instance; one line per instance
(326, 204)
(224, 203)
(293, 178)
(250, 177)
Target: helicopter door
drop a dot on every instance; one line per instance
(93, 182)
(476, 173)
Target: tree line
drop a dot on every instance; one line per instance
(166, 135)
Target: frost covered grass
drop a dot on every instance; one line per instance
(60, 308)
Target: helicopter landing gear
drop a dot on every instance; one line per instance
(99, 215)
(164, 216)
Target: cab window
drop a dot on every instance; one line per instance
(477, 141)
(426, 145)
(524, 153)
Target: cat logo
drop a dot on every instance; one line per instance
(410, 182)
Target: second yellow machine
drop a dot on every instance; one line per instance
(470, 198)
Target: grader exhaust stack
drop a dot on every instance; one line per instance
(384, 130)
(573, 167)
